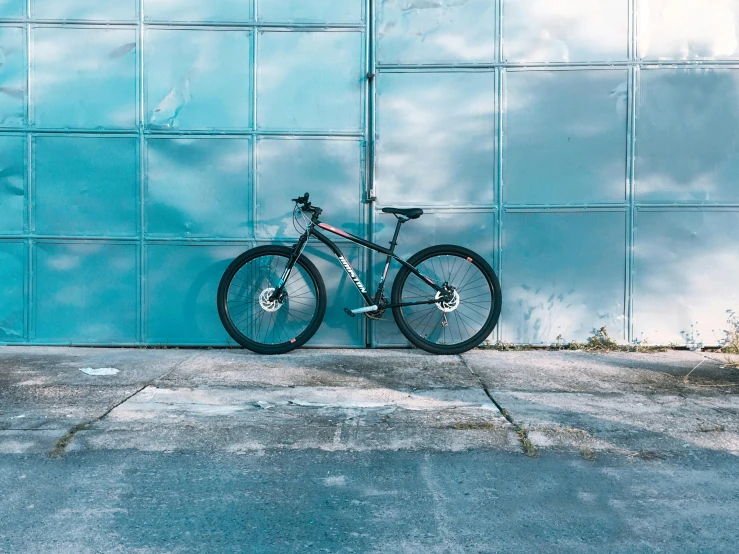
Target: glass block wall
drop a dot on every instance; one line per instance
(587, 149)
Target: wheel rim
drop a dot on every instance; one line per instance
(259, 318)
(461, 317)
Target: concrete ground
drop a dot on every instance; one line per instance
(367, 451)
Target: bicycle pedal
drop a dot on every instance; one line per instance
(364, 310)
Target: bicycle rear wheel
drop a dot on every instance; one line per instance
(256, 321)
(461, 321)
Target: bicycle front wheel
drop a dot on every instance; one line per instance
(253, 318)
(455, 323)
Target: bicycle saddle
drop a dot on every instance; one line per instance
(410, 213)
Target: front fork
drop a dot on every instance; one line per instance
(297, 251)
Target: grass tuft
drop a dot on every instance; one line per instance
(587, 454)
(61, 445)
(528, 447)
(730, 342)
(600, 341)
(475, 426)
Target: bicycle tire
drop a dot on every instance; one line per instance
(460, 256)
(291, 342)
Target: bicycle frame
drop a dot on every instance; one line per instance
(374, 303)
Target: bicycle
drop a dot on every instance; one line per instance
(445, 299)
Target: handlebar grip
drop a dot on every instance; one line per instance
(302, 199)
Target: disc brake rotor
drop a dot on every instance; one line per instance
(267, 304)
(448, 306)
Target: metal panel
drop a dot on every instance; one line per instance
(12, 76)
(338, 329)
(315, 11)
(197, 79)
(198, 10)
(329, 169)
(688, 30)
(198, 187)
(436, 138)
(12, 297)
(564, 275)
(687, 262)
(86, 186)
(91, 10)
(687, 136)
(86, 292)
(10, 9)
(565, 30)
(12, 184)
(84, 77)
(474, 229)
(180, 305)
(564, 137)
(308, 81)
(440, 31)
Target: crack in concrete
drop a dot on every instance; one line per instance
(61, 445)
(528, 447)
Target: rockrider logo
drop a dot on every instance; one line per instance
(351, 273)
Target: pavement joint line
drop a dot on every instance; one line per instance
(61, 445)
(528, 447)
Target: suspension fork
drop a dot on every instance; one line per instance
(297, 251)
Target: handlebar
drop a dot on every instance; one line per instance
(307, 206)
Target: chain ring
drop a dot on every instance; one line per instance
(377, 314)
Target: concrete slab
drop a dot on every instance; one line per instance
(355, 451)
(43, 388)
(325, 418)
(636, 404)
(619, 372)
(234, 401)
(406, 369)
(367, 502)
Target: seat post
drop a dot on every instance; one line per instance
(395, 236)
(393, 243)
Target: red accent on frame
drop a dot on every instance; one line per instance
(292, 340)
(333, 230)
(469, 259)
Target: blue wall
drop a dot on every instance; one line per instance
(588, 149)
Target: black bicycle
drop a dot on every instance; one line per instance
(445, 299)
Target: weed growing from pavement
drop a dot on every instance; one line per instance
(476, 426)
(587, 454)
(528, 447)
(692, 338)
(730, 342)
(599, 341)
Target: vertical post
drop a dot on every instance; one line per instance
(141, 102)
(500, 104)
(369, 137)
(29, 285)
(253, 142)
(631, 162)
